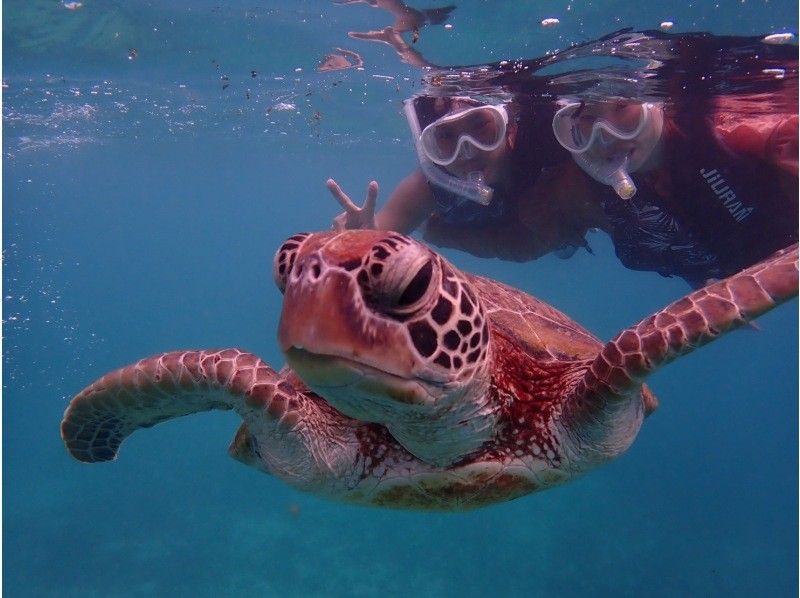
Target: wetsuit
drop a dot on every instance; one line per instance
(453, 210)
(483, 231)
(708, 213)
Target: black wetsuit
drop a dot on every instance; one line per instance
(468, 226)
(724, 213)
(454, 210)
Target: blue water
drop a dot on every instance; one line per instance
(142, 203)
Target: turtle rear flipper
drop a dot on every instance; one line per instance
(686, 324)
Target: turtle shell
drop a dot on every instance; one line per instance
(537, 328)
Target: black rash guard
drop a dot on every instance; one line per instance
(722, 212)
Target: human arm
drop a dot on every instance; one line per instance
(770, 136)
(407, 207)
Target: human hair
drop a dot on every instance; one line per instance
(535, 146)
(430, 108)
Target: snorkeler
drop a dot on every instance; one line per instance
(717, 186)
(697, 186)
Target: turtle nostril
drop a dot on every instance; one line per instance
(309, 268)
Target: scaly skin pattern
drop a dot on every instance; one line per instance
(413, 385)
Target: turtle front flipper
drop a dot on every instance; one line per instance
(695, 320)
(616, 374)
(288, 431)
(159, 388)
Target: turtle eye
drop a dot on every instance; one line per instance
(415, 290)
(400, 283)
(284, 259)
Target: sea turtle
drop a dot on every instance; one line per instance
(411, 384)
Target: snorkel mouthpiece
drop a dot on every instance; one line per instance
(472, 188)
(613, 173)
(622, 183)
(483, 192)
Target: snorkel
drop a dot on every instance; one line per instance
(606, 154)
(472, 188)
(612, 172)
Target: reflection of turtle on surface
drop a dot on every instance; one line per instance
(413, 385)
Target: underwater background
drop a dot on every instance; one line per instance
(155, 155)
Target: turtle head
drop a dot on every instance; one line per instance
(388, 331)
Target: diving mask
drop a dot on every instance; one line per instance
(458, 135)
(452, 137)
(604, 149)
